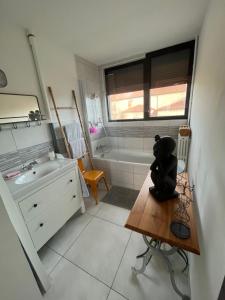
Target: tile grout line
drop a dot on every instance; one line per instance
(63, 256)
(100, 218)
(119, 293)
(108, 294)
(120, 264)
(73, 241)
(96, 278)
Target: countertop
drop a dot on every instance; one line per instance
(20, 191)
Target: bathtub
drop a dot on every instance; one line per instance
(127, 168)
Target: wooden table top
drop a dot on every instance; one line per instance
(152, 218)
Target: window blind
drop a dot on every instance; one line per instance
(171, 68)
(125, 78)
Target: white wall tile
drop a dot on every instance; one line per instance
(93, 146)
(120, 142)
(141, 169)
(113, 142)
(7, 142)
(122, 178)
(133, 143)
(129, 143)
(26, 137)
(148, 144)
(121, 166)
(99, 164)
(139, 180)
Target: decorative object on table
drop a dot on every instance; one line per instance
(180, 225)
(164, 169)
(3, 79)
(37, 114)
(31, 115)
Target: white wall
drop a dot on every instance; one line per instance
(207, 167)
(88, 76)
(58, 69)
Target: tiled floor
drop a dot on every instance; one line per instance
(90, 258)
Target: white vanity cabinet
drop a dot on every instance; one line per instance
(46, 210)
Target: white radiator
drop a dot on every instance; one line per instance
(183, 147)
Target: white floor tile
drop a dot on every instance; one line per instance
(154, 284)
(49, 258)
(115, 296)
(65, 237)
(90, 203)
(71, 283)
(99, 249)
(113, 213)
(94, 209)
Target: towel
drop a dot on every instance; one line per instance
(85, 191)
(75, 139)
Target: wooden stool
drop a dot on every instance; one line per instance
(92, 178)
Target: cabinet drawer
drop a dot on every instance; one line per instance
(33, 205)
(72, 202)
(43, 227)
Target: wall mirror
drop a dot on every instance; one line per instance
(19, 108)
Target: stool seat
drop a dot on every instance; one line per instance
(92, 178)
(93, 175)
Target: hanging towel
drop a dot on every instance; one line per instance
(75, 139)
(85, 191)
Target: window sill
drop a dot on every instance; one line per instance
(151, 122)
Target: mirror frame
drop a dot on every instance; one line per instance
(16, 94)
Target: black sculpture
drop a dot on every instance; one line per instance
(164, 169)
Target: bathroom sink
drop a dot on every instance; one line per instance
(37, 172)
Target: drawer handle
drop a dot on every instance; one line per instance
(74, 196)
(71, 180)
(35, 205)
(41, 224)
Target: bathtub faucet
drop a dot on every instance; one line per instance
(101, 148)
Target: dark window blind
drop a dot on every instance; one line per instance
(125, 78)
(169, 69)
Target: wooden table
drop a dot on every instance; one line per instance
(152, 219)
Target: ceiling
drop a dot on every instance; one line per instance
(103, 31)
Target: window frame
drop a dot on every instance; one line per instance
(147, 82)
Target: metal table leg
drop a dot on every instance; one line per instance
(154, 248)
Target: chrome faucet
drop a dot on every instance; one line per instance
(29, 166)
(101, 147)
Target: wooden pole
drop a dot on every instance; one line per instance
(83, 130)
(60, 125)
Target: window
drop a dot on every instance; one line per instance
(168, 101)
(157, 87)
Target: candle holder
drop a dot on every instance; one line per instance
(180, 225)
